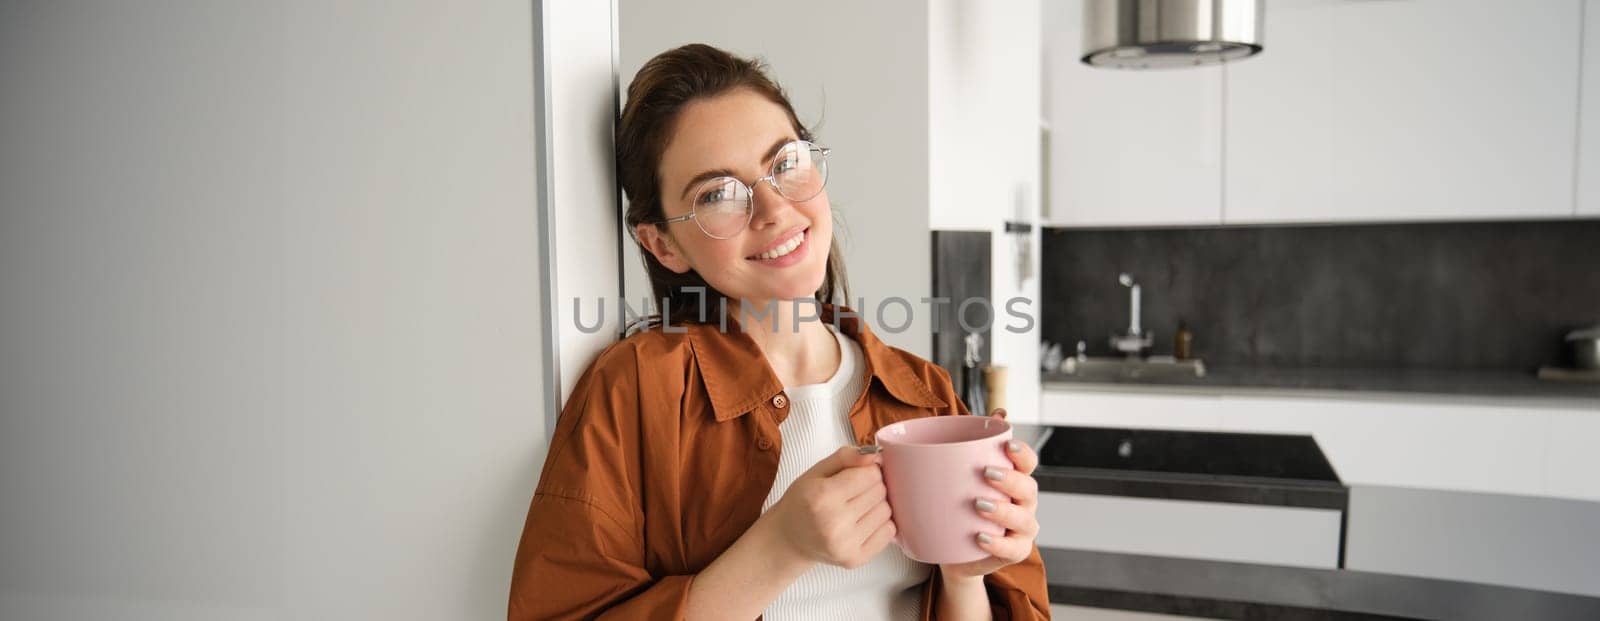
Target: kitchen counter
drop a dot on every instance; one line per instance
(1227, 590)
(1505, 387)
(1403, 552)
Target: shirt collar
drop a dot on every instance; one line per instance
(738, 377)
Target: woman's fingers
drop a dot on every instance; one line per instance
(1019, 487)
(873, 493)
(1022, 456)
(854, 489)
(1015, 518)
(852, 481)
(879, 538)
(874, 516)
(1020, 453)
(1012, 548)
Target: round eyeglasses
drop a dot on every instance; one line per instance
(723, 206)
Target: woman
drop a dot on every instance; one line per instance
(704, 468)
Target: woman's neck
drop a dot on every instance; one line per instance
(799, 351)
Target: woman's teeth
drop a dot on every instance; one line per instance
(786, 248)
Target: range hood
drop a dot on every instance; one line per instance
(1164, 34)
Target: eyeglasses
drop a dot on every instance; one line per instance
(723, 206)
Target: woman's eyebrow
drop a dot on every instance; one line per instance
(723, 172)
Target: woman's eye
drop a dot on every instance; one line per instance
(711, 197)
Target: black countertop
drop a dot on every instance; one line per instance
(1417, 554)
(1240, 468)
(1510, 386)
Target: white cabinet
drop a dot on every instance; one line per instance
(1128, 147)
(1280, 113)
(1571, 463)
(1477, 448)
(1418, 110)
(1400, 441)
(1091, 408)
(1588, 203)
(1224, 531)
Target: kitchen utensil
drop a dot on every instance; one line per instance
(1583, 346)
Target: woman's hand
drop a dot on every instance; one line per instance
(1018, 516)
(837, 512)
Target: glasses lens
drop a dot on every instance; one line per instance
(800, 171)
(722, 207)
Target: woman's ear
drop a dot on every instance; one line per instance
(662, 246)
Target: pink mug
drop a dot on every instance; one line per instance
(933, 471)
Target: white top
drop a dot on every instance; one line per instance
(889, 586)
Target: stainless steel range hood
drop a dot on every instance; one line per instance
(1159, 34)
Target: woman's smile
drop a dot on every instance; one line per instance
(784, 251)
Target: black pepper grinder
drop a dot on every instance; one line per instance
(1183, 342)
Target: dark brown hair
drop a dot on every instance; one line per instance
(658, 93)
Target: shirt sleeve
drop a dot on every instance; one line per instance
(582, 552)
(1012, 592)
(1019, 591)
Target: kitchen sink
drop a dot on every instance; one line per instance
(1154, 368)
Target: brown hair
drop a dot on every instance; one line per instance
(663, 86)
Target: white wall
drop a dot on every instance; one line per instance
(269, 313)
(861, 68)
(984, 78)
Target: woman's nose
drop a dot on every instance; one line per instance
(768, 204)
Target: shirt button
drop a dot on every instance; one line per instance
(780, 401)
(764, 444)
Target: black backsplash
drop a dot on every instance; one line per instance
(1475, 295)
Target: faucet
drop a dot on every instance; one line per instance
(1136, 340)
(1133, 309)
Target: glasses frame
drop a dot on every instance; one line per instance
(750, 211)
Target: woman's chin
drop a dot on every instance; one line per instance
(805, 290)
(799, 288)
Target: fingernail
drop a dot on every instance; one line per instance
(999, 413)
(993, 474)
(1013, 446)
(985, 538)
(869, 449)
(985, 506)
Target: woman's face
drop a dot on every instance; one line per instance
(739, 132)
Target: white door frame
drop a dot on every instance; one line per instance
(576, 101)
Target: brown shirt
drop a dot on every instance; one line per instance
(663, 457)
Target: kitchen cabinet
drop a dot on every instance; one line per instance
(1570, 461)
(1419, 110)
(1537, 450)
(1546, 544)
(1588, 203)
(1128, 147)
(1461, 447)
(1280, 112)
(1235, 532)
